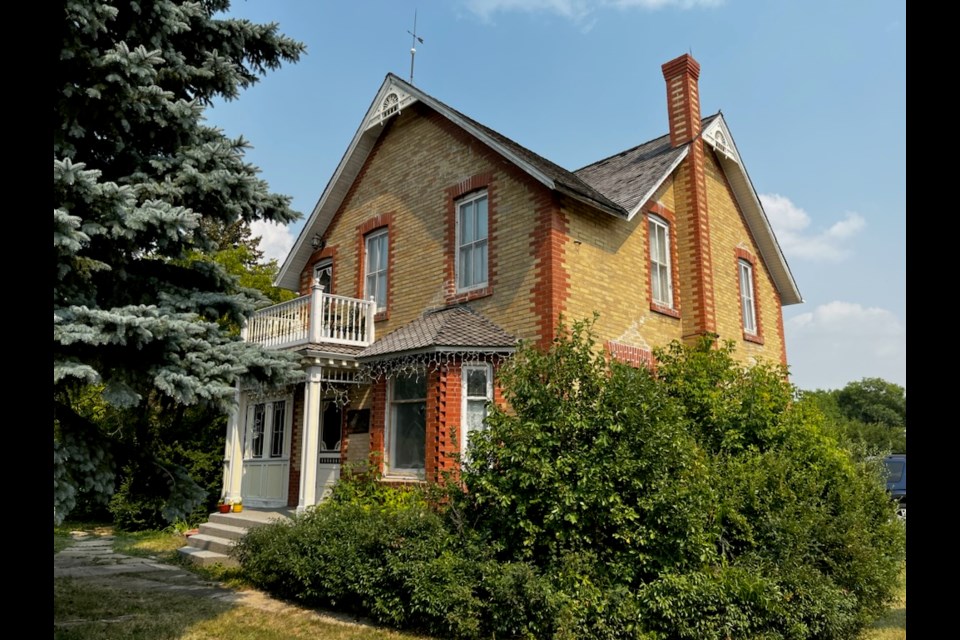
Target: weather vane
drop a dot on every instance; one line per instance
(413, 44)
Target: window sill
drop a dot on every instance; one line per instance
(381, 315)
(749, 337)
(400, 479)
(467, 296)
(667, 311)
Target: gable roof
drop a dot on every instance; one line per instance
(630, 177)
(619, 185)
(458, 328)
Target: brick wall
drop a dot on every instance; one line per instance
(608, 267)
(732, 239)
(413, 176)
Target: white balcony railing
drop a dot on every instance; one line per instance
(316, 318)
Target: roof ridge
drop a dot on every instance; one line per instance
(703, 121)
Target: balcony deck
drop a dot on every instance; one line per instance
(317, 318)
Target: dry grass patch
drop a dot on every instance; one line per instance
(84, 610)
(893, 625)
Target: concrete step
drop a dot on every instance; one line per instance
(215, 541)
(248, 518)
(205, 542)
(204, 558)
(228, 531)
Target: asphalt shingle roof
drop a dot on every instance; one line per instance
(628, 176)
(448, 329)
(563, 177)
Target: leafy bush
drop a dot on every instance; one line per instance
(705, 493)
(701, 501)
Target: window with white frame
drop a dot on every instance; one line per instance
(407, 438)
(375, 269)
(265, 434)
(661, 277)
(748, 304)
(477, 386)
(472, 242)
(276, 434)
(257, 432)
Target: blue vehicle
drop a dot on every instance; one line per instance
(896, 465)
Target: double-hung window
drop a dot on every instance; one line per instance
(661, 276)
(375, 269)
(748, 303)
(472, 242)
(477, 385)
(408, 424)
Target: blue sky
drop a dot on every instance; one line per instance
(814, 92)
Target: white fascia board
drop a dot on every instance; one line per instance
(749, 202)
(659, 183)
(288, 276)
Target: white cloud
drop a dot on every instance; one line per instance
(791, 224)
(577, 10)
(841, 342)
(275, 240)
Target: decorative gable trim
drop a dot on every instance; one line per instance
(718, 137)
(391, 100)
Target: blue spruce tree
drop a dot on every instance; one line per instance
(141, 185)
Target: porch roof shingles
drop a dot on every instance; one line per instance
(336, 349)
(450, 329)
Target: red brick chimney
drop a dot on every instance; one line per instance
(683, 98)
(693, 228)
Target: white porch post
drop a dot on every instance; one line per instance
(316, 311)
(371, 325)
(310, 444)
(233, 448)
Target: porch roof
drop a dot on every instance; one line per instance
(458, 328)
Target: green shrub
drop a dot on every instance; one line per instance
(700, 502)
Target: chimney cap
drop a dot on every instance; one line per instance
(681, 65)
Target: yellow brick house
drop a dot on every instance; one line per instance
(438, 243)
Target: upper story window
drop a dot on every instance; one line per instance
(375, 268)
(661, 272)
(748, 301)
(471, 260)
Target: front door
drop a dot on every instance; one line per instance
(266, 453)
(328, 459)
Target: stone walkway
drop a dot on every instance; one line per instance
(91, 558)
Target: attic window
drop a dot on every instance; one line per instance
(720, 140)
(722, 146)
(390, 106)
